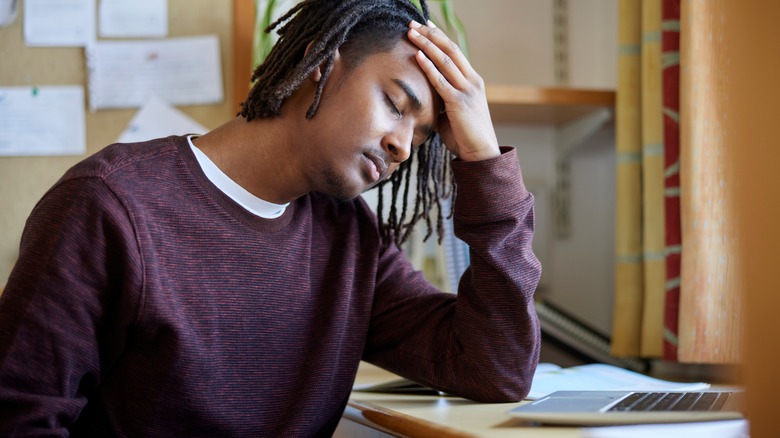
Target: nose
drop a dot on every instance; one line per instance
(398, 144)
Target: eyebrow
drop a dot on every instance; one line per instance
(410, 93)
(416, 103)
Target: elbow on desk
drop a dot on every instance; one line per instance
(515, 391)
(509, 380)
(503, 394)
(508, 377)
(508, 387)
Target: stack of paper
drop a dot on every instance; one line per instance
(599, 377)
(709, 429)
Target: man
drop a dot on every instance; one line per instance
(230, 284)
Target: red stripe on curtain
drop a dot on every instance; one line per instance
(670, 47)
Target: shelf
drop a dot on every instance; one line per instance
(574, 113)
(545, 106)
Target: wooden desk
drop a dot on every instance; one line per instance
(383, 415)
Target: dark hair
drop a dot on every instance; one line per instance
(357, 28)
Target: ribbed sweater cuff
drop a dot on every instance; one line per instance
(493, 184)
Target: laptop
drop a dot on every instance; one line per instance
(597, 408)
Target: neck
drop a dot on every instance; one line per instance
(263, 156)
(258, 155)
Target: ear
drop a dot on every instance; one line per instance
(316, 74)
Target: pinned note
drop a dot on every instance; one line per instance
(59, 23)
(158, 119)
(42, 121)
(133, 18)
(181, 71)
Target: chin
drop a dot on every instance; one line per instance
(350, 194)
(341, 200)
(341, 188)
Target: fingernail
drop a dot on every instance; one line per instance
(415, 24)
(430, 24)
(415, 33)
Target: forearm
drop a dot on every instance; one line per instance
(484, 344)
(496, 322)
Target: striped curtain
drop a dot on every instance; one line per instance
(648, 243)
(670, 58)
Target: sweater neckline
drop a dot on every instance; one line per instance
(229, 205)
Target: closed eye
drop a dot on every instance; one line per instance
(394, 109)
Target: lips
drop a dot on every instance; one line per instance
(377, 166)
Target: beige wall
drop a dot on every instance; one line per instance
(511, 41)
(24, 179)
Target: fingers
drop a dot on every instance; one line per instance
(437, 79)
(466, 127)
(445, 55)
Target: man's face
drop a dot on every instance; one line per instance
(369, 120)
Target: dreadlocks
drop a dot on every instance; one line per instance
(357, 28)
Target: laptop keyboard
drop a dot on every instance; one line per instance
(672, 401)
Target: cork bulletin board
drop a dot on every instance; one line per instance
(23, 180)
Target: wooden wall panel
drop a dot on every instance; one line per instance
(750, 69)
(243, 35)
(710, 298)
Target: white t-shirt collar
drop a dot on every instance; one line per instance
(250, 202)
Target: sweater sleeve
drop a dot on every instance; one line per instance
(61, 315)
(482, 343)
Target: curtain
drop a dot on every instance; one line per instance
(670, 58)
(640, 271)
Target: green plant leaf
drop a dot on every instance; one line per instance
(265, 13)
(452, 25)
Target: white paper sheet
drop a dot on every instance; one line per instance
(710, 429)
(42, 121)
(59, 23)
(549, 378)
(182, 71)
(159, 119)
(133, 18)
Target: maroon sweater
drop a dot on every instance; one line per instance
(146, 303)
